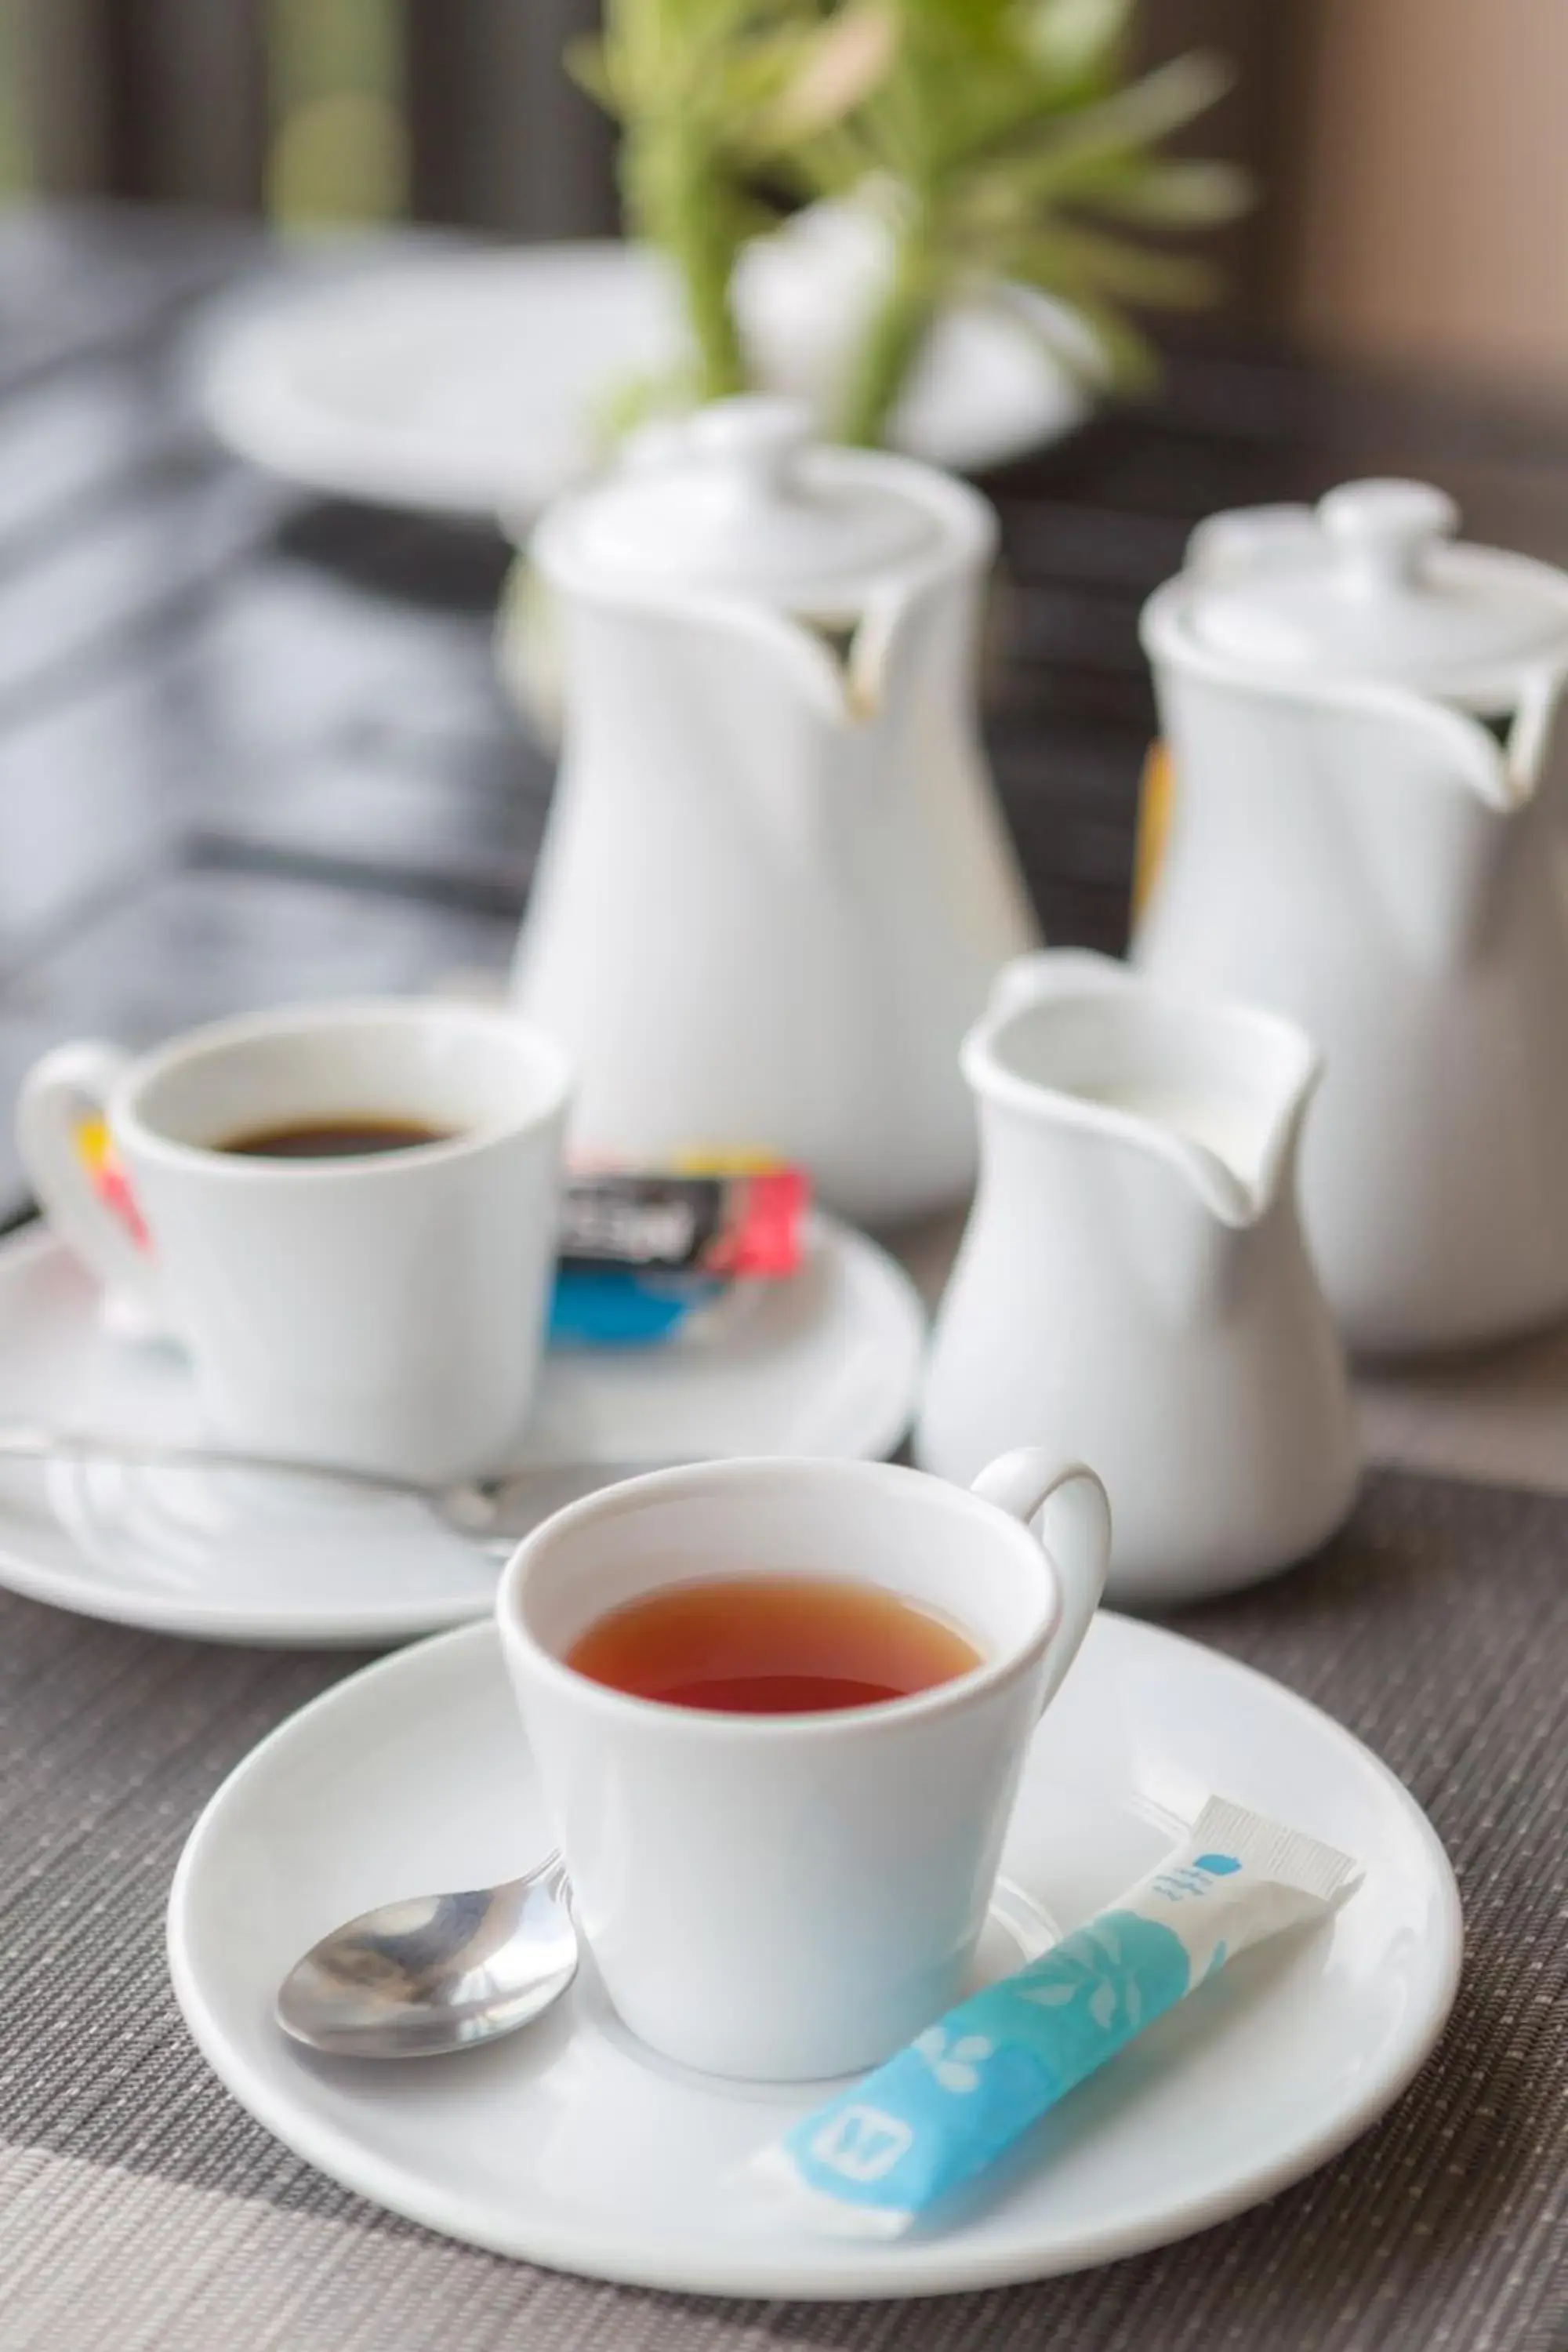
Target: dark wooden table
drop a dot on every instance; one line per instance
(252, 746)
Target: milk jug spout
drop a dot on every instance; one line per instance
(1215, 1094)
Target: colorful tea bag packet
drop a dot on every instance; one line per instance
(713, 1224)
(884, 2152)
(642, 1252)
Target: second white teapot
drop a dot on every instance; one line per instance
(1367, 834)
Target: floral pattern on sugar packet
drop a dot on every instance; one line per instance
(1002, 2056)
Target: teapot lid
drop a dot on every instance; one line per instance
(1371, 583)
(736, 497)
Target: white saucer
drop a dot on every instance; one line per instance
(825, 1363)
(570, 2145)
(471, 384)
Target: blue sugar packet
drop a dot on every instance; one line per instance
(877, 2158)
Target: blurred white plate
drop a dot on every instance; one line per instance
(467, 383)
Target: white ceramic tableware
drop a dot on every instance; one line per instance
(789, 1897)
(775, 885)
(424, 375)
(1367, 834)
(826, 1362)
(573, 2145)
(1132, 1285)
(385, 1311)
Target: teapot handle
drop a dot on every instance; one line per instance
(1074, 1536)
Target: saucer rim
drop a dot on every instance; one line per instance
(884, 2272)
(372, 1623)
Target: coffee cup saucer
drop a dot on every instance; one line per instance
(826, 1363)
(571, 2145)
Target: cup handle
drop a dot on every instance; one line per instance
(1076, 1536)
(48, 1110)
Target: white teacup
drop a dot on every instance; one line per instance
(781, 1897)
(387, 1311)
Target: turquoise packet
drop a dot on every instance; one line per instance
(617, 1307)
(878, 2157)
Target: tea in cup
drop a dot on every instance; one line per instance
(779, 1710)
(349, 1215)
(771, 1645)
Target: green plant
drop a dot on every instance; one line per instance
(1001, 140)
(712, 95)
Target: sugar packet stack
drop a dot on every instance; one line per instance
(884, 2152)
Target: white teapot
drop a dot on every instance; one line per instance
(775, 885)
(1132, 1285)
(1364, 834)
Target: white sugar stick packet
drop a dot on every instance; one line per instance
(881, 2154)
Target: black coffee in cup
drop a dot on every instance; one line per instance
(334, 1139)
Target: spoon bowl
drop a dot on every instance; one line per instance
(436, 1972)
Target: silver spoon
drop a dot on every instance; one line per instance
(492, 1510)
(437, 1973)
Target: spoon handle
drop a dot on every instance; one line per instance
(493, 1511)
(24, 1441)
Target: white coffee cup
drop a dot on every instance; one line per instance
(385, 1311)
(783, 1897)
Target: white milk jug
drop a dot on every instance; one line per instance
(775, 886)
(1132, 1285)
(1364, 834)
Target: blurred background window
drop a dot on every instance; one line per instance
(313, 111)
(1415, 189)
(337, 147)
(15, 160)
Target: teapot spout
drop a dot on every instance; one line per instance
(1529, 736)
(1345, 803)
(1448, 812)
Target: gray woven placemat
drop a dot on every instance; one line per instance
(139, 2208)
